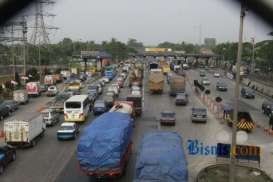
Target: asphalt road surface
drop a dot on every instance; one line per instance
(52, 160)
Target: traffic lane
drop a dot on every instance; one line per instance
(208, 133)
(257, 137)
(44, 161)
(252, 105)
(30, 110)
(72, 173)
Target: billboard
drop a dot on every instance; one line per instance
(157, 49)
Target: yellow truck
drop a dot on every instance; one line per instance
(156, 82)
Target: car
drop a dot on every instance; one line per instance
(216, 75)
(185, 66)
(93, 88)
(92, 96)
(167, 118)
(106, 80)
(102, 83)
(52, 91)
(135, 88)
(99, 107)
(136, 92)
(267, 108)
(109, 99)
(202, 73)
(7, 155)
(50, 117)
(4, 111)
(116, 85)
(120, 82)
(181, 99)
(247, 93)
(199, 115)
(205, 81)
(43, 88)
(68, 131)
(72, 92)
(113, 89)
(221, 86)
(11, 104)
(123, 75)
(100, 90)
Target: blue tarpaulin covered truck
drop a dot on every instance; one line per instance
(161, 158)
(105, 145)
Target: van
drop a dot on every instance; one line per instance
(50, 117)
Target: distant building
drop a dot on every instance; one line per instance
(210, 42)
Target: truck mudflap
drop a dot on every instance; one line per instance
(113, 172)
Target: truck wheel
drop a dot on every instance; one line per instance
(1, 170)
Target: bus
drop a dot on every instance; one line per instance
(76, 108)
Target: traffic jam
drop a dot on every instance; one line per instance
(91, 110)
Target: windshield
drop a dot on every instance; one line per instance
(67, 128)
(73, 105)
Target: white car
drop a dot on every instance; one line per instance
(52, 91)
(216, 75)
(205, 81)
(113, 89)
(136, 92)
(106, 80)
(68, 130)
(116, 85)
(123, 75)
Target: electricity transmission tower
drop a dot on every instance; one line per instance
(12, 32)
(40, 35)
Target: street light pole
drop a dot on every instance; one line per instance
(232, 166)
(253, 55)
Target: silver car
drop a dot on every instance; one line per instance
(199, 115)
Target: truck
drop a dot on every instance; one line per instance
(123, 107)
(49, 80)
(20, 96)
(105, 145)
(137, 103)
(24, 132)
(33, 88)
(57, 104)
(110, 72)
(156, 82)
(153, 65)
(135, 77)
(161, 158)
(177, 85)
(75, 71)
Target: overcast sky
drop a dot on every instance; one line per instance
(152, 21)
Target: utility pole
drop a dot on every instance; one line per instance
(24, 45)
(253, 55)
(232, 170)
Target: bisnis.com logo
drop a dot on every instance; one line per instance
(198, 148)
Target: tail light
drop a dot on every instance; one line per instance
(81, 115)
(65, 115)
